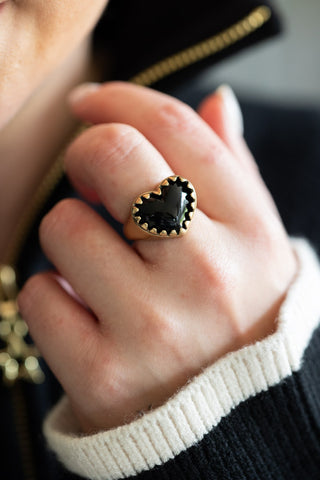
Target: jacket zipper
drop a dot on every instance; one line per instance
(19, 360)
(211, 46)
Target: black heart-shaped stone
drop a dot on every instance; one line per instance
(167, 211)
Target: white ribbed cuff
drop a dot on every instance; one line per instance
(185, 418)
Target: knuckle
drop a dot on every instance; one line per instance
(213, 274)
(35, 282)
(208, 272)
(105, 377)
(31, 291)
(266, 238)
(261, 232)
(174, 115)
(154, 321)
(158, 327)
(63, 213)
(113, 134)
(215, 154)
(99, 144)
(32, 285)
(162, 333)
(79, 148)
(111, 145)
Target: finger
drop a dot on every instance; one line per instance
(187, 143)
(167, 254)
(90, 255)
(62, 329)
(118, 163)
(221, 111)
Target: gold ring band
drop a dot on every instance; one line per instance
(165, 212)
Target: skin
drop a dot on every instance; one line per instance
(35, 37)
(44, 52)
(159, 311)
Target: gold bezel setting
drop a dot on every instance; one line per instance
(160, 224)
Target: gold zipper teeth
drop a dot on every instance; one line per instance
(211, 46)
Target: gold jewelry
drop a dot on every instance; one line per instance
(19, 358)
(165, 212)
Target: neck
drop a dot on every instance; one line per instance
(30, 143)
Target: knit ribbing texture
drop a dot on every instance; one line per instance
(203, 403)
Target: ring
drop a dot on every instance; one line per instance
(165, 212)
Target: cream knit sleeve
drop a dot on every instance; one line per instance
(196, 409)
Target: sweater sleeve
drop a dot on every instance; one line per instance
(253, 414)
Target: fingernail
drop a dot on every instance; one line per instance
(232, 107)
(82, 91)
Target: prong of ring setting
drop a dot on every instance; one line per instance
(174, 178)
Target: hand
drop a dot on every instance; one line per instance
(159, 310)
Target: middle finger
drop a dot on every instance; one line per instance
(118, 163)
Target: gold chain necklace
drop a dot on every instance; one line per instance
(19, 359)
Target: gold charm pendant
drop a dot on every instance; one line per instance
(18, 359)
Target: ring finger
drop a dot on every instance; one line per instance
(118, 163)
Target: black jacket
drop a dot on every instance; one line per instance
(136, 35)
